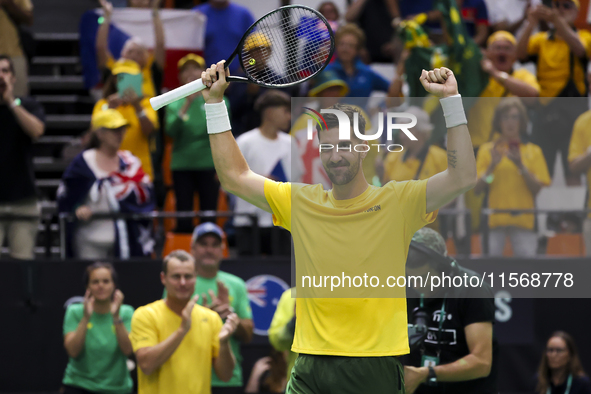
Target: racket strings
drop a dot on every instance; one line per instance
(286, 47)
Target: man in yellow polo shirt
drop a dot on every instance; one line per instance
(579, 159)
(561, 56)
(176, 341)
(347, 345)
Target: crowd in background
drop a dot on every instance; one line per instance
(540, 58)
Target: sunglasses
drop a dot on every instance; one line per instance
(565, 5)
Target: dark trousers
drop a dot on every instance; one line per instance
(274, 241)
(186, 183)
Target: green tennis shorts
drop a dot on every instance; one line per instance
(313, 374)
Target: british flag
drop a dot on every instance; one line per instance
(131, 192)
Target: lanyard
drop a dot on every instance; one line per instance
(569, 383)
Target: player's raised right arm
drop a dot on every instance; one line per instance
(233, 172)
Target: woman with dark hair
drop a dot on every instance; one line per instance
(513, 171)
(106, 179)
(560, 370)
(96, 337)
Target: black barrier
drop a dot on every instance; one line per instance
(32, 297)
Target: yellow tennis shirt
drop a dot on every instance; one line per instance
(188, 370)
(508, 189)
(368, 234)
(580, 142)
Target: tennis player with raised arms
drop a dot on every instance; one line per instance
(347, 345)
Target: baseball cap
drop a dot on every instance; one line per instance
(207, 228)
(191, 57)
(126, 66)
(431, 239)
(108, 119)
(501, 35)
(256, 40)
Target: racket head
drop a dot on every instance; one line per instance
(286, 46)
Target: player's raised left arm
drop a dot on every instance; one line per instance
(460, 175)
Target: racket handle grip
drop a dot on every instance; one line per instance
(176, 94)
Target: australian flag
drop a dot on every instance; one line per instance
(129, 190)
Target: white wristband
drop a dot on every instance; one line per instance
(453, 111)
(217, 118)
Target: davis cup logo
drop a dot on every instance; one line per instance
(345, 129)
(264, 292)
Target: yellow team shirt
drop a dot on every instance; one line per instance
(398, 170)
(279, 337)
(148, 88)
(579, 143)
(553, 62)
(188, 370)
(370, 233)
(508, 189)
(135, 140)
(10, 44)
(480, 116)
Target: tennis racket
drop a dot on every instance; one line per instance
(285, 47)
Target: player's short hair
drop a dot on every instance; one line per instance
(504, 106)
(350, 110)
(353, 29)
(10, 63)
(272, 98)
(179, 254)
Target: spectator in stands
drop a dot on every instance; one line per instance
(419, 160)
(282, 329)
(579, 158)
(142, 120)
(226, 24)
(560, 55)
(561, 371)
(191, 163)
(96, 336)
(329, 10)
(268, 375)
(13, 13)
(105, 179)
(374, 17)
(151, 64)
(360, 78)
(22, 121)
(504, 81)
(267, 150)
(175, 340)
(514, 172)
(509, 15)
(475, 16)
(223, 293)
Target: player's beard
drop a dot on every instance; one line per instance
(346, 176)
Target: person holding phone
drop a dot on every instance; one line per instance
(514, 172)
(122, 91)
(96, 336)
